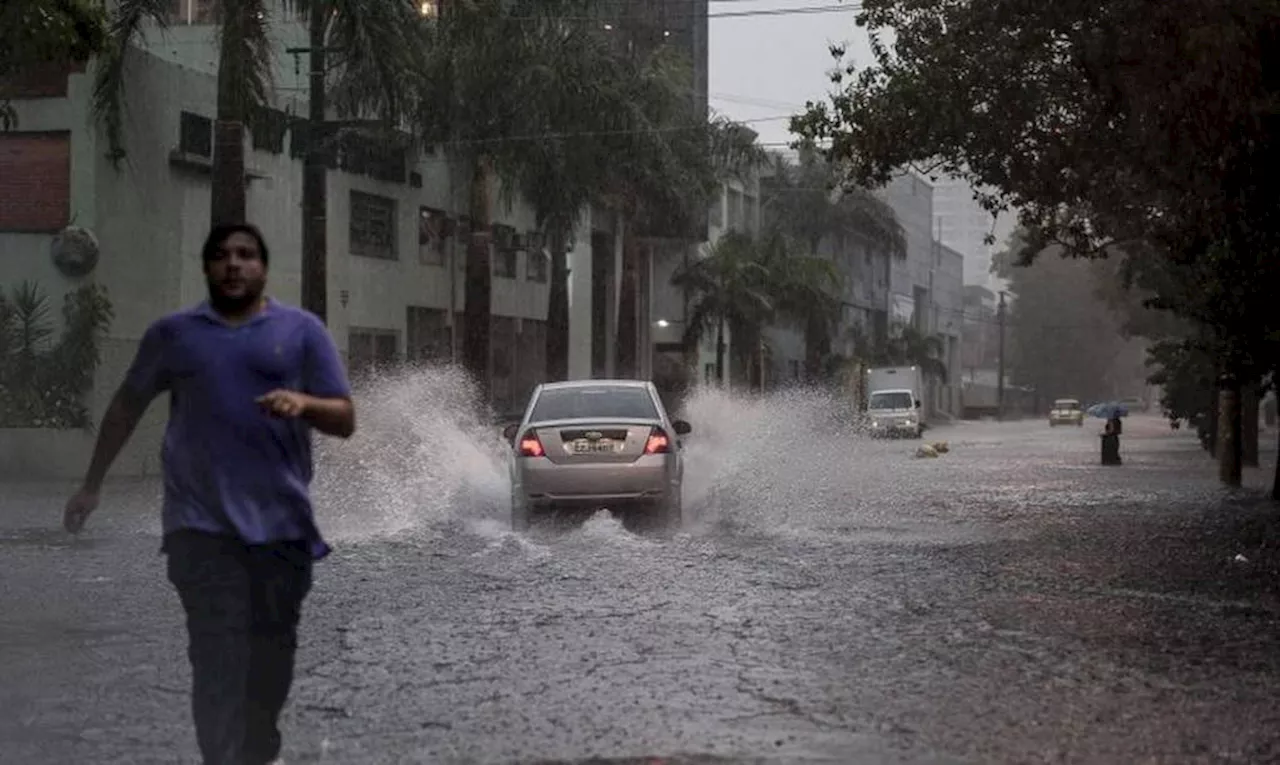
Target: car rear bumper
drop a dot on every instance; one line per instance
(540, 481)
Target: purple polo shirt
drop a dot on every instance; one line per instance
(229, 467)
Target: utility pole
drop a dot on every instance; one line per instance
(315, 175)
(1000, 313)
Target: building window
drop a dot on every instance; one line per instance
(735, 210)
(504, 263)
(432, 225)
(373, 226)
(371, 350)
(716, 213)
(536, 267)
(195, 135)
(192, 12)
(35, 181)
(427, 335)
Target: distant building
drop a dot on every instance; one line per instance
(981, 333)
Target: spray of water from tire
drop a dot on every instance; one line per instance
(424, 459)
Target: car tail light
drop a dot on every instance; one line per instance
(530, 446)
(658, 443)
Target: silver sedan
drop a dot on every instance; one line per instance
(596, 443)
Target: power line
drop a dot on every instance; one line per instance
(691, 15)
(589, 133)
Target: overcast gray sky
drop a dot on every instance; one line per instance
(765, 66)
(767, 62)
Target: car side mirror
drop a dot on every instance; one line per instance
(917, 403)
(682, 428)
(510, 431)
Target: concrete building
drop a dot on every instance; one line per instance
(395, 269)
(924, 291)
(963, 226)
(648, 24)
(947, 321)
(865, 269)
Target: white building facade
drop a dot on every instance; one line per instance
(926, 287)
(395, 269)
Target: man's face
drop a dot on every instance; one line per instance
(236, 273)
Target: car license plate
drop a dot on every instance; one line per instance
(583, 446)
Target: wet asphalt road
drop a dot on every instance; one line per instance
(837, 601)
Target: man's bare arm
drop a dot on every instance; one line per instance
(118, 423)
(331, 416)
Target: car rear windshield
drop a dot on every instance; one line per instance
(1067, 404)
(594, 402)
(895, 400)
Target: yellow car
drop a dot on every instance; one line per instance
(1066, 411)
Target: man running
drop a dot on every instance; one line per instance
(248, 378)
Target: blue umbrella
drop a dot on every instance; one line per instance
(1108, 410)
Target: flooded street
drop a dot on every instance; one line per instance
(835, 599)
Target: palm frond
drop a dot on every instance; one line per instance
(379, 47)
(108, 90)
(733, 149)
(245, 57)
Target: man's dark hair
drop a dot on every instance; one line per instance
(223, 232)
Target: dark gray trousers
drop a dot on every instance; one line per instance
(243, 603)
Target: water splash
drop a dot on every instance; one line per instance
(424, 460)
(422, 457)
(765, 461)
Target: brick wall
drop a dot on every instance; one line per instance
(35, 181)
(39, 81)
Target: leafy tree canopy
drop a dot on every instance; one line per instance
(1101, 122)
(1065, 338)
(39, 32)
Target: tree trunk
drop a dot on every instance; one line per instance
(760, 366)
(720, 353)
(1229, 471)
(478, 283)
(817, 344)
(227, 183)
(628, 308)
(1275, 481)
(1214, 415)
(315, 178)
(1249, 426)
(558, 311)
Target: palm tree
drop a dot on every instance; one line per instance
(730, 289)
(910, 346)
(581, 127)
(375, 39)
(807, 289)
(493, 87)
(669, 184)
